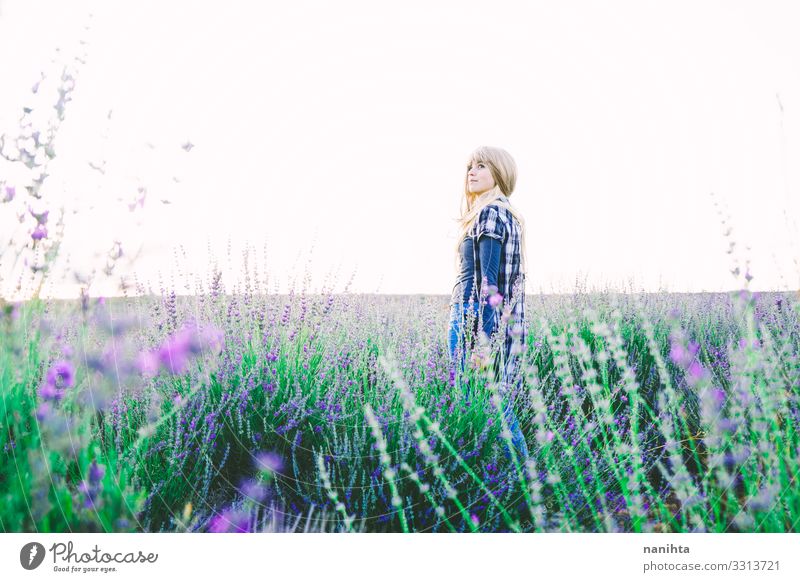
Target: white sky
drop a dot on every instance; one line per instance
(344, 127)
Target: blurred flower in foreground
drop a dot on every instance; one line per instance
(253, 491)
(96, 473)
(481, 358)
(60, 377)
(680, 354)
(39, 232)
(230, 521)
(11, 191)
(174, 353)
(696, 373)
(41, 217)
(147, 362)
(495, 300)
(92, 489)
(44, 411)
(269, 462)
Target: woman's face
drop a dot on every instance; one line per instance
(479, 178)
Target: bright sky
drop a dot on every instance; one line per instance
(337, 134)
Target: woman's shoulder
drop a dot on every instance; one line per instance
(491, 221)
(491, 211)
(497, 212)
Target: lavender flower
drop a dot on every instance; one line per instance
(96, 473)
(230, 521)
(50, 393)
(681, 355)
(173, 354)
(89, 492)
(765, 499)
(147, 362)
(176, 350)
(41, 217)
(269, 462)
(11, 191)
(696, 373)
(44, 411)
(730, 425)
(254, 491)
(60, 377)
(39, 232)
(743, 344)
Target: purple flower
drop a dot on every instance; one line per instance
(206, 338)
(495, 300)
(765, 499)
(59, 377)
(173, 354)
(39, 232)
(48, 392)
(254, 491)
(743, 344)
(679, 354)
(713, 400)
(683, 355)
(41, 217)
(44, 411)
(96, 473)
(147, 362)
(269, 462)
(230, 521)
(84, 488)
(676, 353)
(696, 372)
(730, 425)
(11, 191)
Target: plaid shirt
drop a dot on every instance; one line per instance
(496, 222)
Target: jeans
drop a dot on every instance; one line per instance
(458, 349)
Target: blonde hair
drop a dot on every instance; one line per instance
(504, 172)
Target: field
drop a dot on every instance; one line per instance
(254, 412)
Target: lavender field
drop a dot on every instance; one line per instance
(341, 412)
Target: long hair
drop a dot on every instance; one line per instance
(504, 173)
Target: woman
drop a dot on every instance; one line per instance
(489, 295)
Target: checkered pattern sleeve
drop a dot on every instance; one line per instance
(489, 224)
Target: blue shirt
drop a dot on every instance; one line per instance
(494, 225)
(489, 263)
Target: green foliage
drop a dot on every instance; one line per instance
(656, 413)
(46, 458)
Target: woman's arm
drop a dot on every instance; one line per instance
(489, 250)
